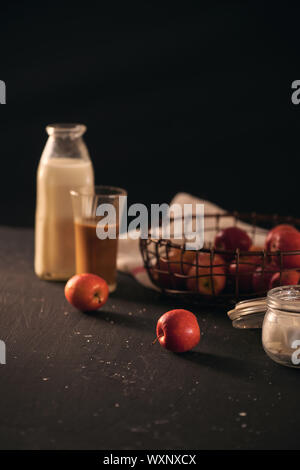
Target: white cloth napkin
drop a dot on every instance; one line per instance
(130, 259)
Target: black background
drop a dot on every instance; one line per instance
(175, 97)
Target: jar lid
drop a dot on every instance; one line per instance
(248, 313)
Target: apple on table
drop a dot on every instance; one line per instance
(86, 291)
(178, 330)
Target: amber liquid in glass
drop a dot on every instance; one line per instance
(94, 255)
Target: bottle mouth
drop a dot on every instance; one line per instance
(285, 298)
(71, 130)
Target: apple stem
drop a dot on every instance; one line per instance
(98, 297)
(157, 338)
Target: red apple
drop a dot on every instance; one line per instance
(211, 279)
(232, 238)
(178, 330)
(86, 291)
(172, 265)
(261, 278)
(175, 256)
(277, 229)
(188, 259)
(288, 278)
(247, 265)
(286, 240)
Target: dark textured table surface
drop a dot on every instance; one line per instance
(77, 381)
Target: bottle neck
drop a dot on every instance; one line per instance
(65, 141)
(66, 131)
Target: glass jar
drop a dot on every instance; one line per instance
(65, 165)
(281, 326)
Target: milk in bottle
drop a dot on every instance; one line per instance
(65, 164)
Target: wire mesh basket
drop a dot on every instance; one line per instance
(215, 276)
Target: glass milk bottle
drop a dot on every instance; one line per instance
(65, 164)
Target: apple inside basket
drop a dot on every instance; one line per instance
(239, 260)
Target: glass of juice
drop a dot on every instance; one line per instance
(97, 215)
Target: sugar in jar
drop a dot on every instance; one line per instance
(281, 326)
